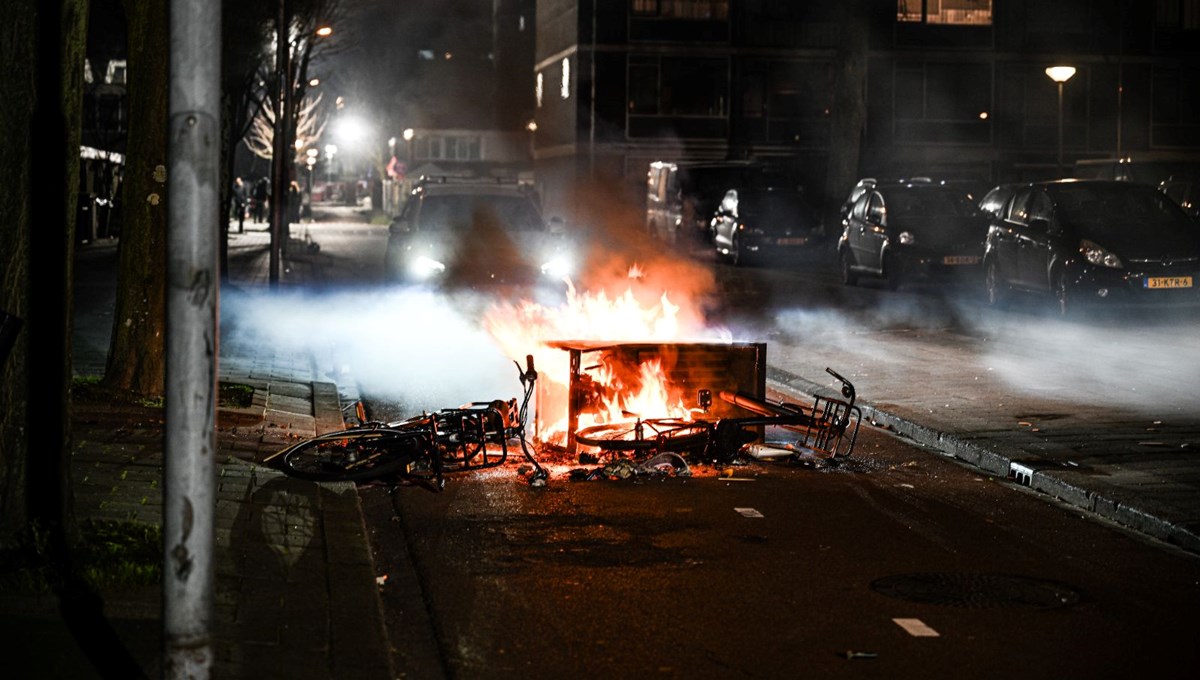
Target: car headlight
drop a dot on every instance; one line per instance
(558, 267)
(1099, 256)
(425, 267)
(907, 238)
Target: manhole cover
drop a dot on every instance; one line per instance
(976, 591)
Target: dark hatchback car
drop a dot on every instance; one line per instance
(1093, 241)
(476, 234)
(912, 231)
(1186, 192)
(766, 224)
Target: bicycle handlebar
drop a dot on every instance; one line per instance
(847, 386)
(529, 374)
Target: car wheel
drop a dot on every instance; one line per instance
(994, 289)
(849, 277)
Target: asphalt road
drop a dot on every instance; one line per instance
(898, 563)
(924, 567)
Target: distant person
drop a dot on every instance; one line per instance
(261, 191)
(239, 202)
(293, 203)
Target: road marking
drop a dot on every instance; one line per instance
(916, 627)
(748, 512)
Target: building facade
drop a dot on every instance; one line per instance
(951, 88)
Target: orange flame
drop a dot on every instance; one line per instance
(527, 327)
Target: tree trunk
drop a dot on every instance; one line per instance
(16, 119)
(42, 50)
(849, 111)
(136, 355)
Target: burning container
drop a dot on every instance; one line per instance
(610, 381)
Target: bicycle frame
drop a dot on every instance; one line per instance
(474, 436)
(827, 428)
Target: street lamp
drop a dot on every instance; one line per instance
(1060, 75)
(408, 137)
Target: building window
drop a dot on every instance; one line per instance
(449, 147)
(1175, 108)
(678, 87)
(703, 10)
(943, 103)
(565, 90)
(1178, 14)
(538, 89)
(946, 12)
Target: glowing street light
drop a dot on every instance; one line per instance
(324, 31)
(1060, 75)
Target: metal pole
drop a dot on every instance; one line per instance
(193, 214)
(1060, 128)
(279, 142)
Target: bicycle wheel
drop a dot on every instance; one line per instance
(352, 455)
(658, 434)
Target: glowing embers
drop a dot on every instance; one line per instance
(618, 381)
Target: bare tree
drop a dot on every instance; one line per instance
(310, 125)
(307, 47)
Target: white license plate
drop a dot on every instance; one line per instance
(1168, 282)
(792, 241)
(960, 259)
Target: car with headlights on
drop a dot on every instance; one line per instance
(476, 233)
(1089, 242)
(764, 225)
(912, 231)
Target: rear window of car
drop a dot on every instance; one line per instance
(913, 202)
(772, 202)
(1112, 208)
(457, 212)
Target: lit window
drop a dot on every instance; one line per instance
(707, 10)
(565, 91)
(537, 90)
(949, 12)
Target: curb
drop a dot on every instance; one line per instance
(1011, 463)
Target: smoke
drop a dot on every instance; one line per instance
(419, 347)
(1146, 363)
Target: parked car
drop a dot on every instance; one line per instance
(1185, 191)
(995, 199)
(476, 233)
(760, 224)
(1093, 241)
(681, 197)
(861, 187)
(1152, 172)
(910, 231)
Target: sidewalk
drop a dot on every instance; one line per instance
(1137, 467)
(295, 592)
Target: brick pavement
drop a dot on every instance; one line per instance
(295, 592)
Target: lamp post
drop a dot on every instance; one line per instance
(1060, 75)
